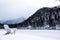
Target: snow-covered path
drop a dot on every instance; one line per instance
(31, 35)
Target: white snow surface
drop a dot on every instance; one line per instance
(31, 35)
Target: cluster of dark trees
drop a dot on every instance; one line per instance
(10, 25)
(43, 16)
(1, 26)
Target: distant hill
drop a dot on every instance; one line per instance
(14, 21)
(42, 17)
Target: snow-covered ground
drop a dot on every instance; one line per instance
(31, 35)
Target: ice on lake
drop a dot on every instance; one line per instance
(31, 35)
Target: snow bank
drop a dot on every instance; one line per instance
(31, 35)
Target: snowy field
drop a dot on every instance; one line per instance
(31, 35)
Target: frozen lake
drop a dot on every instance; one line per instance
(31, 35)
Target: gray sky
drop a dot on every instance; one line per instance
(12, 9)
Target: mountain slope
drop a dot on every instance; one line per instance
(42, 17)
(14, 21)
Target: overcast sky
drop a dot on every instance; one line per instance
(12, 9)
